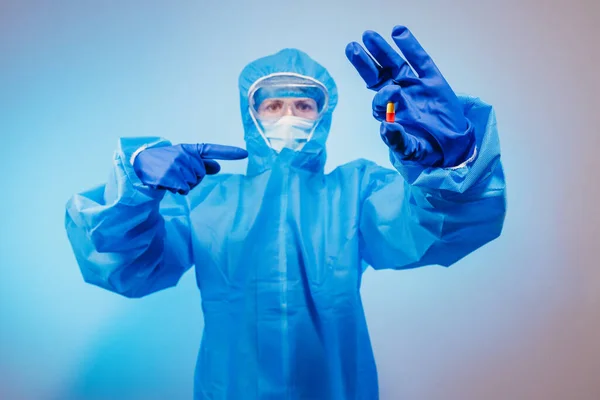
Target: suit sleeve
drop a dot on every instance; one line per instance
(128, 238)
(412, 216)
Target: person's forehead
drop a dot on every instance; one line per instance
(289, 99)
(288, 92)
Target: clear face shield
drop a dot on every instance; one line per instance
(286, 109)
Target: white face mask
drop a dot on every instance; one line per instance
(288, 131)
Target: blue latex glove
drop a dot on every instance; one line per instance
(180, 168)
(430, 126)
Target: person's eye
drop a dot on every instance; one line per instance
(305, 106)
(273, 106)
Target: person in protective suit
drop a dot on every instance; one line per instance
(279, 252)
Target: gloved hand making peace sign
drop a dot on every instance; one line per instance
(430, 127)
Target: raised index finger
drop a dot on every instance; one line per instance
(413, 51)
(385, 55)
(221, 152)
(365, 65)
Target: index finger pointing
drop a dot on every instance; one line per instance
(221, 152)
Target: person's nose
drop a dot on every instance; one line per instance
(289, 110)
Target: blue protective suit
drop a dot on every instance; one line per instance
(279, 252)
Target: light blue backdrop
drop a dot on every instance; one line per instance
(518, 319)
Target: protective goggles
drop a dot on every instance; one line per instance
(281, 94)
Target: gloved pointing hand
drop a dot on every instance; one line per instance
(430, 126)
(182, 167)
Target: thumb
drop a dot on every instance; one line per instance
(394, 136)
(211, 166)
(406, 146)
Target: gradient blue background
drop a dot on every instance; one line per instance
(518, 319)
